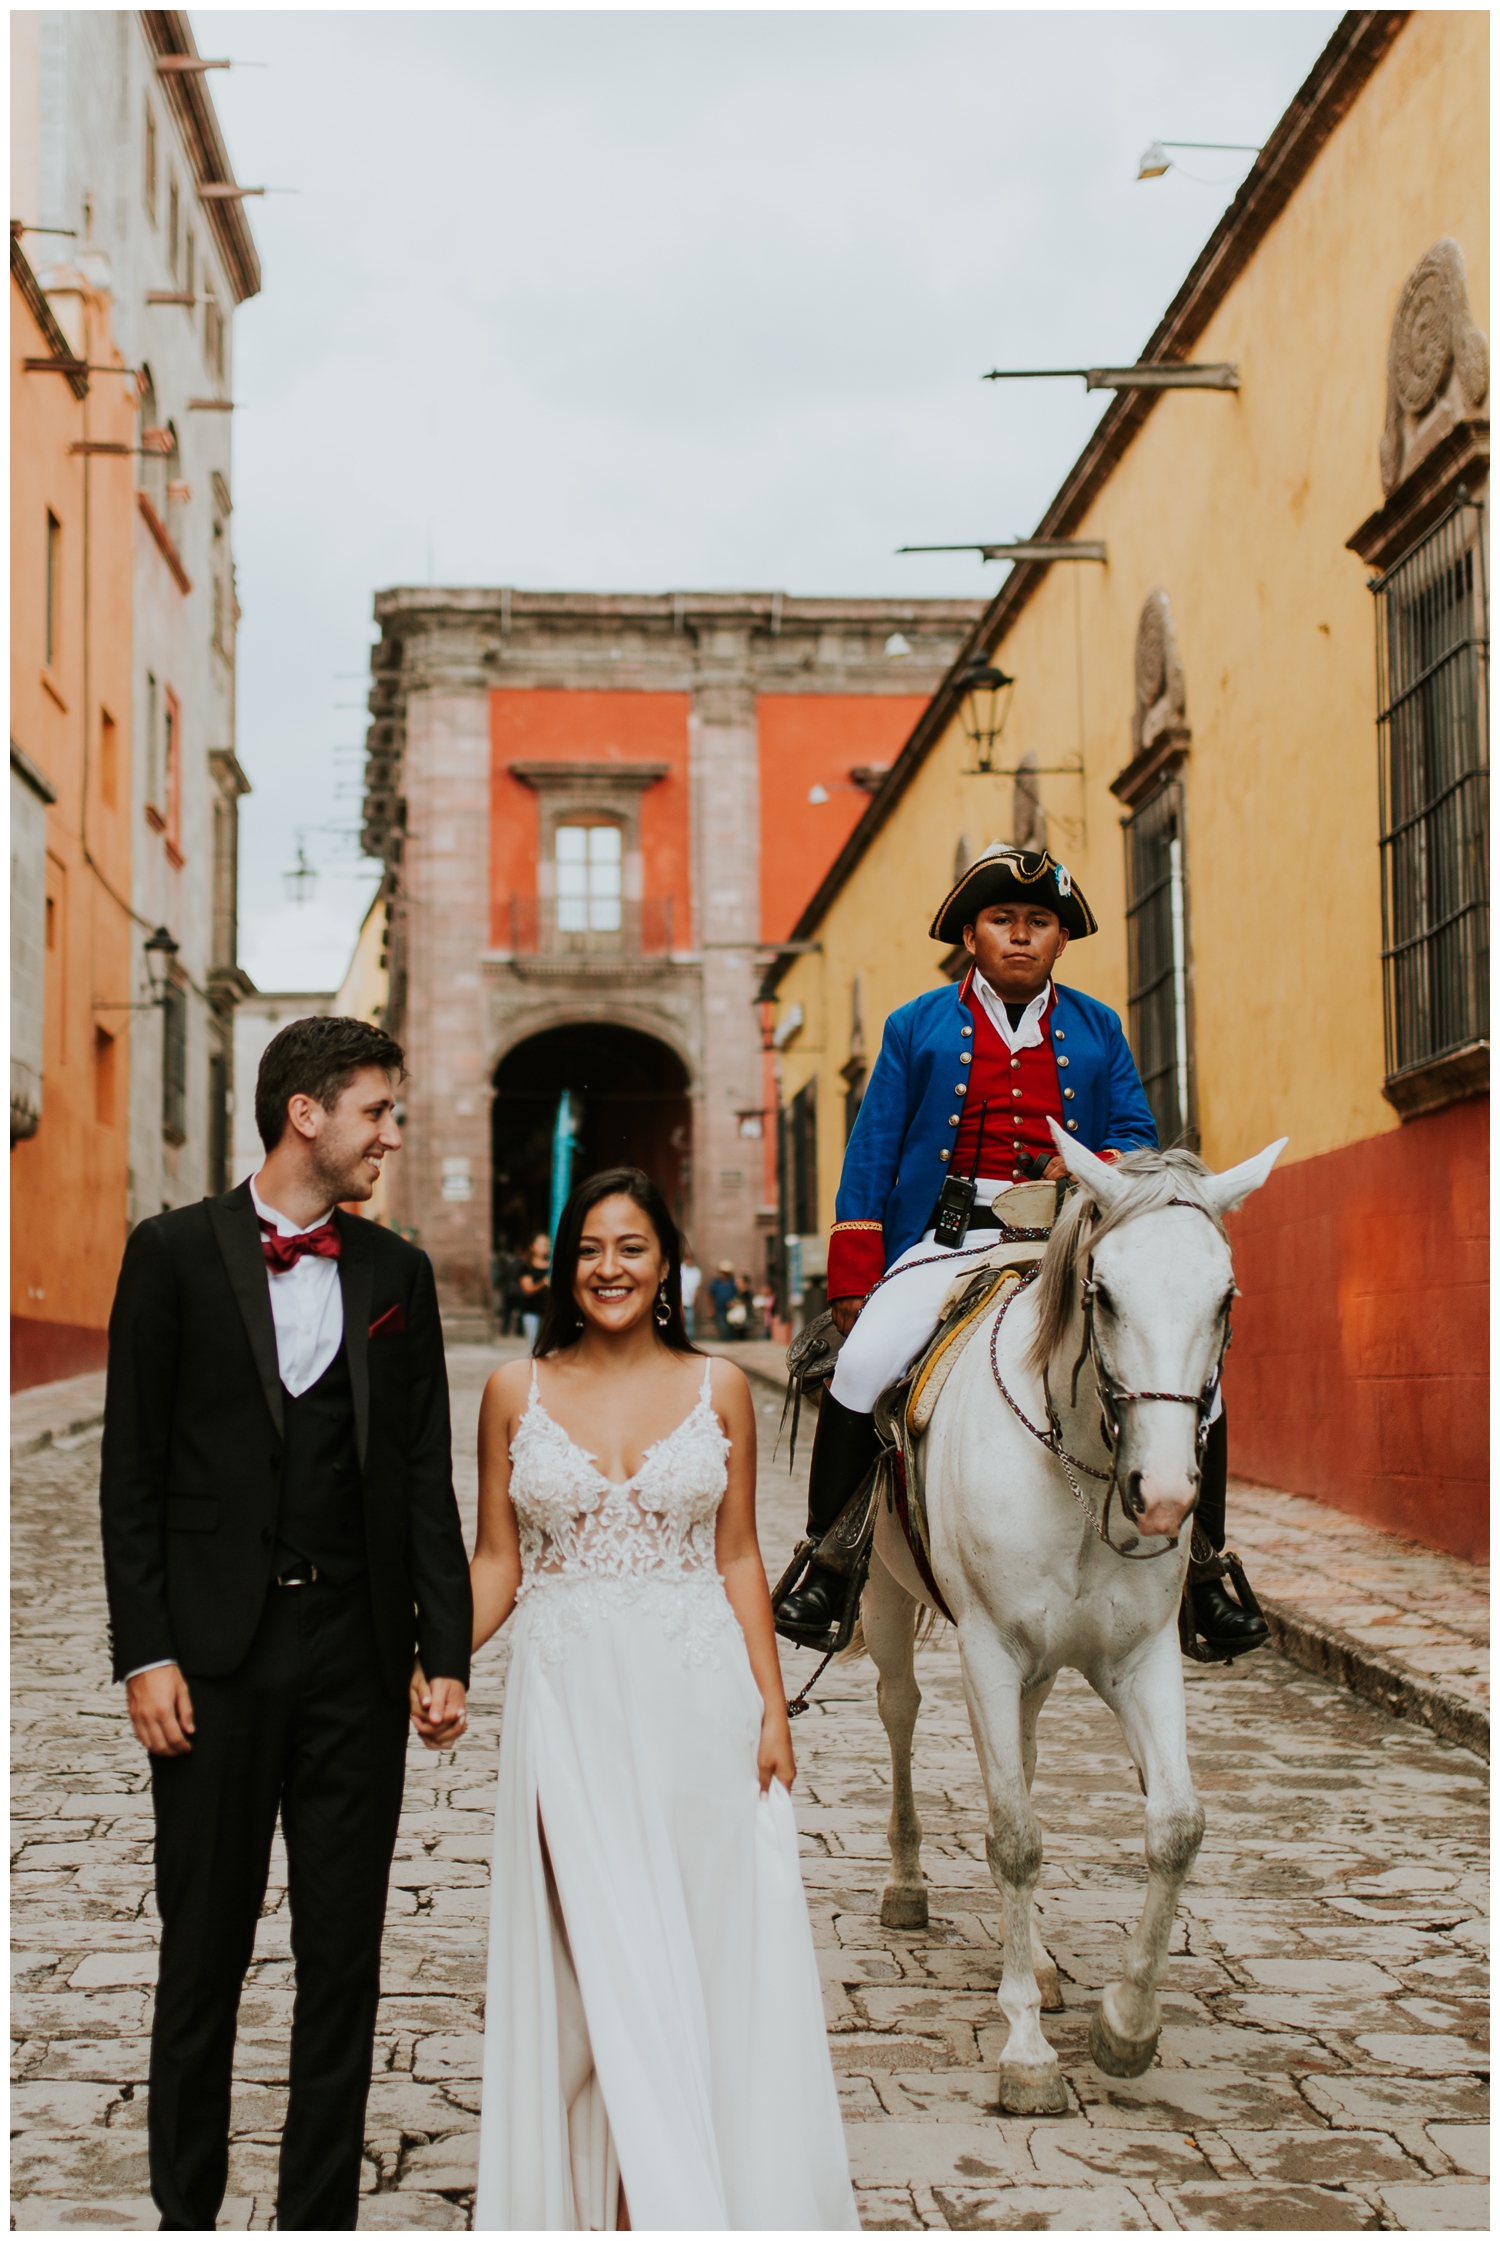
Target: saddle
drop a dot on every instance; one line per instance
(904, 1410)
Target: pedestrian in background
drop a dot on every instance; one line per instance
(692, 1277)
(532, 1285)
(723, 1292)
(280, 1539)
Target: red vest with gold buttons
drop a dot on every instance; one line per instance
(1022, 1089)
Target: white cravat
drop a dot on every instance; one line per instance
(307, 1306)
(1028, 1035)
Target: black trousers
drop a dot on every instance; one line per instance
(1213, 1486)
(306, 1727)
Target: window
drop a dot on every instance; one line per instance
(172, 770)
(1432, 638)
(149, 180)
(218, 1122)
(174, 222)
(213, 329)
(190, 266)
(109, 759)
(104, 1078)
(589, 879)
(1156, 932)
(153, 757)
(54, 587)
(174, 1063)
(802, 1160)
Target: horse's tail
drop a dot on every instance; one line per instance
(928, 1621)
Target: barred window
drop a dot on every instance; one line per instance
(1432, 640)
(174, 1063)
(801, 1157)
(1156, 930)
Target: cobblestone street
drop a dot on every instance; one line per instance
(1322, 2064)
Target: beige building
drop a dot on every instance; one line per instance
(1254, 725)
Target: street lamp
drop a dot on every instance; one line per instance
(160, 951)
(983, 709)
(1156, 160)
(301, 880)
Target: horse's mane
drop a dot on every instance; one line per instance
(1155, 1179)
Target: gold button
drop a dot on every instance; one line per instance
(959, 1088)
(1067, 1093)
(1062, 1062)
(966, 1058)
(1015, 1093)
(943, 1154)
(966, 1030)
(953, 1120)
(1057, 1031)
(1073, 1124)
(1014, 1063)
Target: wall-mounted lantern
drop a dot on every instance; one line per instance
(160, 951)
(983, 709)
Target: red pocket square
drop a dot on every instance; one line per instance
(389, 1323)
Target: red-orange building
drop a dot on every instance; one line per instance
(599, 812)
(72, 521)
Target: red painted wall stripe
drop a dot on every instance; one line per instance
(1359, 1369)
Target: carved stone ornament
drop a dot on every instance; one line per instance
(1160, 694)
(1438, 365)
(1028, 819)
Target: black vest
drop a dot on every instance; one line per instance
(322, 1514)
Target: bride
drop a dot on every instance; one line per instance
(655, 2052)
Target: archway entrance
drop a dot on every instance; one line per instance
(631, 1096)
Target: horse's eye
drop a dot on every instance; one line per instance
(1102, 1298)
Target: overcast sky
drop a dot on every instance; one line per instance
(643, 302)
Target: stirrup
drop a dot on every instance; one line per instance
(844, 1549)
(1205, 1563)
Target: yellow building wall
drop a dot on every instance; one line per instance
(1239, 505)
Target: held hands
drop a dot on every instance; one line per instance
(845, 1311)
(439, 1710)
(161, 1711)
(774, 1760)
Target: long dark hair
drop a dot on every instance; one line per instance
(562, 1325)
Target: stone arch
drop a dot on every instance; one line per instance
(635, 1093)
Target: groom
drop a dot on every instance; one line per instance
(281, 1542)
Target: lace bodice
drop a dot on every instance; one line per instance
(591, 1545)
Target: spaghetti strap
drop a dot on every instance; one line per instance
(705, 1390)
(534, 1394)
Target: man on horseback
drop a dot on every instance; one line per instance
(956, 1111)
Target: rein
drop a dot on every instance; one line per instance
(1112, 1395)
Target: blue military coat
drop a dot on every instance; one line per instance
(893, 1168)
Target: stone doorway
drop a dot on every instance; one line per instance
(636, 1112)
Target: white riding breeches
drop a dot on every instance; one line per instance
(901, 1315)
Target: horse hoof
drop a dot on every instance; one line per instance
(1049, 1988)
(1117, 2057)
(1032, 2089)
(902, 1908)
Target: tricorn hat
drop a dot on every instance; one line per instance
(1013, 875)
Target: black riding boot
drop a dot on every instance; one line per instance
(1221, 1622)
(844, 1447)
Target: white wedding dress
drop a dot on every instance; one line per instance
(662, 2023)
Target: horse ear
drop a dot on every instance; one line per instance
(1095, 1177)
(1230, 1190)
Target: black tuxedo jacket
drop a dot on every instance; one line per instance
(193, 1440)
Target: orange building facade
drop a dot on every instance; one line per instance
(72, 525)
(598, 814)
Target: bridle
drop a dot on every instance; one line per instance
(1112, 1396)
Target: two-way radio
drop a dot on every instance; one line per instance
(955, 1206)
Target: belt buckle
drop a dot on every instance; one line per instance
(307, 1579)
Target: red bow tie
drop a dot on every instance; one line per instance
(283, 1253)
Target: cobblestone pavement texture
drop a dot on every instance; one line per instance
(1321, 2064)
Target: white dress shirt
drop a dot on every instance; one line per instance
(307, 1309)
(1028, 1035)
(307, 1305)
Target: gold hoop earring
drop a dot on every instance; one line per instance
(662, 1312)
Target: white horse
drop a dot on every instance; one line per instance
(1130, 1311)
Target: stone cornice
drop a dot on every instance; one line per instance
(186, 94)
(594, 776)
(1414, 505)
